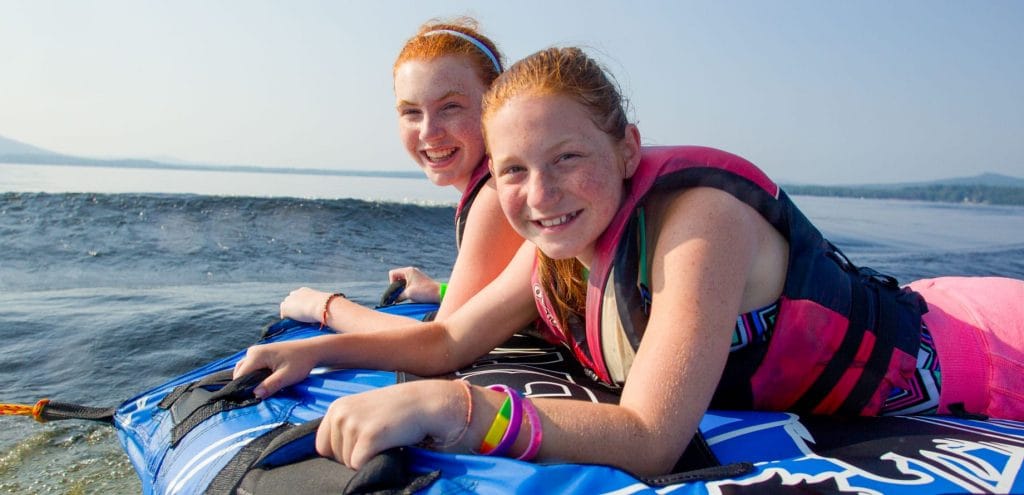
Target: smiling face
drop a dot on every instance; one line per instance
(560, 178)
(438, 103)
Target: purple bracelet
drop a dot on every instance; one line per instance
(515, 420)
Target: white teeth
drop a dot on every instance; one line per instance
(435, 156)
(557, 221)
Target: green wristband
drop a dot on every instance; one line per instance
(441, 289)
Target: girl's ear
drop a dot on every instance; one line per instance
(631, 150)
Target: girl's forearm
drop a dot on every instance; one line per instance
(344, 315)
(574, 431)
(606, 434)
(421, 348)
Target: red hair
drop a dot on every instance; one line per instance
(424, 47)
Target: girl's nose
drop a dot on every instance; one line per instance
(431, 129)
(542, 190)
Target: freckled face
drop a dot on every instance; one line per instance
(559, 177)
(438, 103)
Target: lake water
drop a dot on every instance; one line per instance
(64, 178)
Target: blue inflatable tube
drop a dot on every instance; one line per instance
(757, 452)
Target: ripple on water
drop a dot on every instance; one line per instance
(68, 458)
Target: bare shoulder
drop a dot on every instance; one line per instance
(486, 218)
(702, 209)
(488, 244)
(488, 235)
(734, 236)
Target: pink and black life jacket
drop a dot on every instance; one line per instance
(481, 174)
(844, 335)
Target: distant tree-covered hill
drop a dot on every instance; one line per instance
(10, 146)
(986, 189)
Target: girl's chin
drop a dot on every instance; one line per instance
(437, 181)
(439, 178)
(557, 252)
(447, 176)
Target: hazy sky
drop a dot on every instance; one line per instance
(812, 91)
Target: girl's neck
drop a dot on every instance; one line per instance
(463, 184)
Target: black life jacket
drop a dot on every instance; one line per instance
(844, 335)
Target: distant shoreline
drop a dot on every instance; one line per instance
(944, 193)
(74, 161)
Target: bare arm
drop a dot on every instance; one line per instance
(488, 244)
(427, 349)
(306, 304)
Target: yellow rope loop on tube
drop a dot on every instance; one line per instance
(37, 410)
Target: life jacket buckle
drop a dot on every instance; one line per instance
(886, 281)
(840, 258)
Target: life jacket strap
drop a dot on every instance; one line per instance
(876, 291)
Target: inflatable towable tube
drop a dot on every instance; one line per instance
(204, 433)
